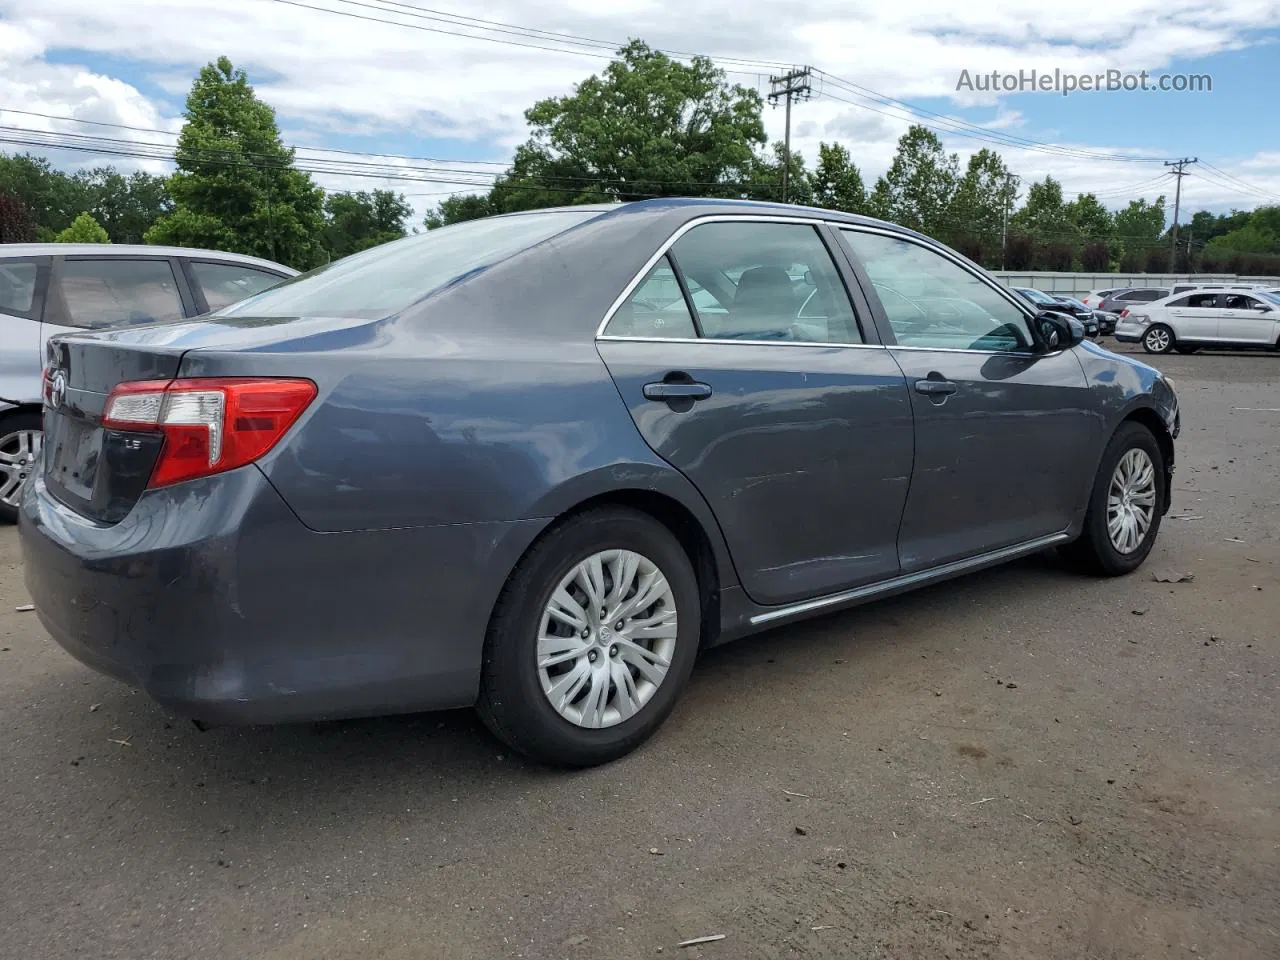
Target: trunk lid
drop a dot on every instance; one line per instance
(100, 473)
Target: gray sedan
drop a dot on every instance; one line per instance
(535, 463)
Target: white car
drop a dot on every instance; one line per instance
(1188, 321)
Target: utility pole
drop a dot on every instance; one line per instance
(1178, 172)
(788, 86)
(1004, 218)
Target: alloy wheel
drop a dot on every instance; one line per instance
(19, 453)
(607, 638)
(1157, 340)
(1131, 501)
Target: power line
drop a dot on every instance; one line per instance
(793, 84)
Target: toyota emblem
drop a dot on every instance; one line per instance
(57, 390)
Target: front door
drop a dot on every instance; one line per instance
(1247, 320)
(1004, 433)
(744, 365)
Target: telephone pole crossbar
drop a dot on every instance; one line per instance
(792, 85)
(1179, 172)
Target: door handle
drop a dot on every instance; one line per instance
(665, 391)
(936, 388)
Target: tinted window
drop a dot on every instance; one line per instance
(1195, 300)
(931, 301)
(227, 283)
(1035, 296)
(656, 308)
(767, 281)
(1238, 301)
(18, 286)
(387, 278)
(1146, 296)
(116, 292)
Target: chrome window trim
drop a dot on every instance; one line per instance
(839, 345)
(684, 228)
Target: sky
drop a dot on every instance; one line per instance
(450, 81)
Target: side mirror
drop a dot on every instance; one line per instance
(1059, 331)
(1262, 308)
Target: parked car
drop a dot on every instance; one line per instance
(1211, 285)
(1094, 298)
(1204, 318)
(51, 288)
(489, 465)
(1117, 300)
(1044, 301)
(1085, 315)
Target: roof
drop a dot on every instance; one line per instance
(9, 250)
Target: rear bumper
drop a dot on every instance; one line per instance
(214, 598)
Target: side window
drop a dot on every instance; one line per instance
(226, 283)
(932, 301)
(114, 293)
(656, 308)
(18, 288)
(1199, 300)
(1183, 302)
(1238, 301)
(1147, 296)
(765, 281)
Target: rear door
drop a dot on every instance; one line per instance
(1246, 319)
(1006, 434)
(99, 293)
(763, 383)
(1193, 317)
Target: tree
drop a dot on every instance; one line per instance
(1140, 222)
(84, 229)
(1020, 252)
(126, 206)
(1095, 257)
(1250, 238)
(646, 126)
(1044, 215)
(766, 178)
(53, 198)
(916, 191)
(837, 184)
(357, 221)
(1091, 219)
(456, 209)
(236, 188)
(17, 225)
(980, 206)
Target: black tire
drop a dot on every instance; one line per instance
(1156, 328)
(1187, 349)
(11, 424)
(1094, 551)
(512, 703)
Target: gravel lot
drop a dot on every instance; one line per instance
(1022, 764)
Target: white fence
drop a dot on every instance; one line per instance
(1079, 284)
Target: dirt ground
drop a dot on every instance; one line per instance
(1023, 764)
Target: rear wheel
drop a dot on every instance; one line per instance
(592, 640)
(20, 436)
(1158, 339)
(1125, 506)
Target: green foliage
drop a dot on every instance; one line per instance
(357, 221)
(457, 209)
(84, 229)
(236, 188)
(17, 225)
(766, 178)
(648, 125)
(1251, 238)
(917, 190)
(983, 200)
(1140, 222)
(1091, 219)
(837, 183)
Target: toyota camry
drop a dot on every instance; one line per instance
(534, 463)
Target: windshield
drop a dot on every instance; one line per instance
(1273, 297)
(1035, 296)
(386, 279)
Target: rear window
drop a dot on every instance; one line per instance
(17, 286)
(386, 279)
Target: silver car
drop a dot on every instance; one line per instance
(51, 288)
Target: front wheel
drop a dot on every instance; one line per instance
(1158, 339)
(1126, 504)
(592, 640)
(20, 436)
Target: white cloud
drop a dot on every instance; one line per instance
(330, 75)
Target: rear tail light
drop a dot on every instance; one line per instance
(209, 424)
(1124, 314)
